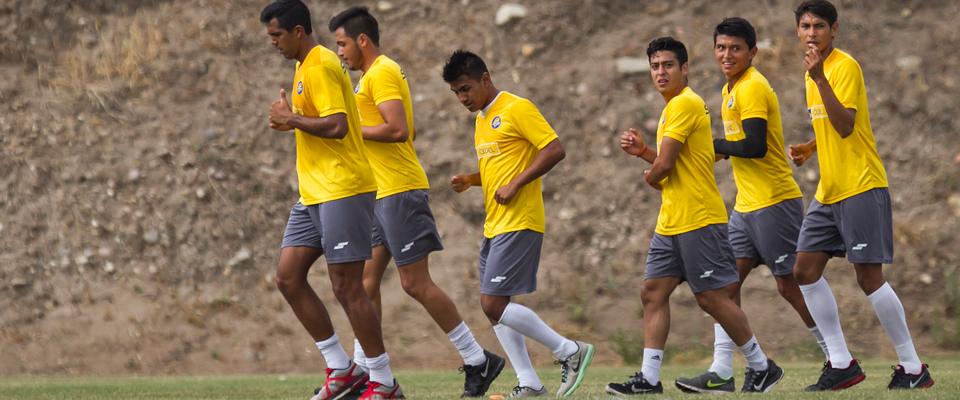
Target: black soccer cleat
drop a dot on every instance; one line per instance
(636, 385)
(903, 380)
(479, 377)
(836, 378)
(762, 381)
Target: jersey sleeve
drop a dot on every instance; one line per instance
(384, 85)
(753, 100)
(531, 125)
(846, 80)
(681, 119)
(322, 85)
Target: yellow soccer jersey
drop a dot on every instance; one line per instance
(761, 182)
(395, 165)
(690, 197)
(847, 166)
(328, 169)
(508, 138)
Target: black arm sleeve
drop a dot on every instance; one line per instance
(754, 146)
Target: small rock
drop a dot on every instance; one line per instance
(108, 268)
(201, 193)
(210, 134)
(18, 282)
(509, 12)
(605, 151)
(926, 278)
(104, 251)
(906, 13)
(241, 256)
(527, 49)
(1, 225)
(567, 213)
(811, 176)
(632, 65)
(81, 260)
(954, 201)
(151, 237)
(419, 97)
(133, 175)
(384, 6)
(582, 89)
(220, 175)
(765, 44)
(909, 63)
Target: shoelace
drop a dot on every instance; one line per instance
(637, 377)
(750, 377)
(896, 376)
(564, 368)
(823, 373)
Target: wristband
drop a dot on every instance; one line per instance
(645, 148)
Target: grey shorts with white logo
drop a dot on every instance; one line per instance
(509, 263)
(341, 228)
(702, 257)
(404, 223)
(768, 235)
(859, 227)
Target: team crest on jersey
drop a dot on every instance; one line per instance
(496, 122)
(356, 89)
(300, 87)
(488, 150)
(730, 103)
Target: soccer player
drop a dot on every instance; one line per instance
(765, 223)
(851, 213)
(515, 146)
(334, 213)
(403, 225)
(690, 243)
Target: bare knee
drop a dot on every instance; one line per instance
(288, 283)
(870, 277)
(651, 297)
(493, 306)
(415, 289)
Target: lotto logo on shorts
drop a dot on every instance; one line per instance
(498, 279)
(488, 150)
(817, 112)
(341, 245)
(731, 127)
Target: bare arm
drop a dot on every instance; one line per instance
(546, 159)
(333, 126)
(465, 181)
(394, 129)
(665, 161)
(841, 118)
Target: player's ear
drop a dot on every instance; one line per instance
(485, 80)
(362, 40)
(753, 53)
(298, 31)
(833, 29)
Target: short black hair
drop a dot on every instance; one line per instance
(356, 20)
(289, 14)
(668, 43)
(819, 8)
(463, 63)
(739, 28)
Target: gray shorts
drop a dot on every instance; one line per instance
(768, 235)
(509, 263)
(341, 228)
(702, 257)
(403, 222)
(860, 227)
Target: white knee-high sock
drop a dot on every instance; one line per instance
(464, 341)
(380, 369)
(333, 353)
(890, 312)
(525, 321)
(756, 360)
(516, 349)
(358, 357)
(723, 348)
(652, 359)
(823, 309)
(819, 336)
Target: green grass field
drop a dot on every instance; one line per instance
(448, 384)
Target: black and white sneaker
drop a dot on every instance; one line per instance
(479, 377)
(636, 385)
(903, 380)
(707, 382)
(762, 381)
(837, 378)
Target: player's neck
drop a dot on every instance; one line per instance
(667, 96)
(732, 80)
(307, 43)
(826, 52)
(369, 57)
(491, 96)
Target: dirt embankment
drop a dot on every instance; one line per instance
(143, 196)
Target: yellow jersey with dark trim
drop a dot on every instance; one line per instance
(395, 165)
(852, 165)
(761, 182)
(509, 135)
